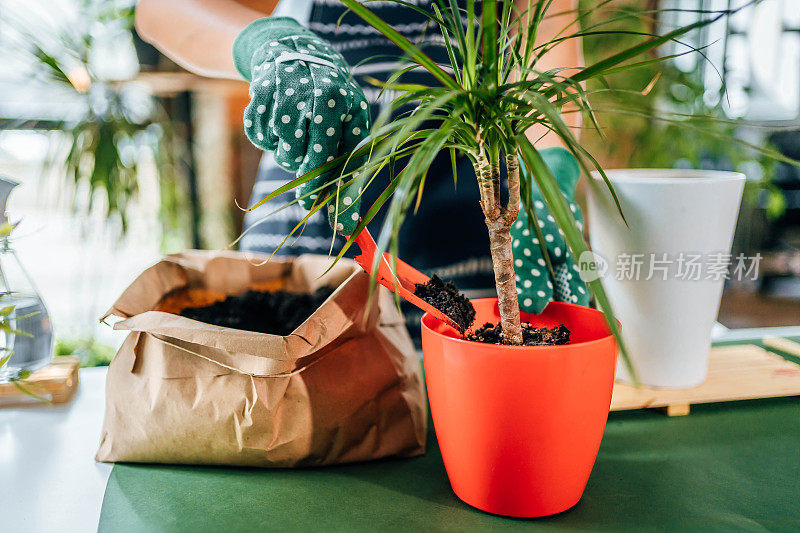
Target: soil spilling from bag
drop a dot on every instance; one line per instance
(531, 336)
(276, 313)
(444, 296)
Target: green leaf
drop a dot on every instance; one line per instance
(575, 147)
(601, 67)
(402, 42)
(9, 330)
(489, 25)
(454, 167)
(6, 228)
(23, 387)
(566, 221)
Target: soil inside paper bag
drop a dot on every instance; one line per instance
(276, 312)
(531, 336)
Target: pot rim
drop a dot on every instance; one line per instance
(515, 347)
(668, 175)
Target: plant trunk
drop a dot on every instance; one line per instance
(498, 221)
(505, 281)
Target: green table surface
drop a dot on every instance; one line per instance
(726, 467)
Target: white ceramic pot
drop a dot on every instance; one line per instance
(667, 309)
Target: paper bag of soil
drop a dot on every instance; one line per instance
(344, 386)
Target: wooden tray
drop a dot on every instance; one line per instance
(737, 372)
(57, 382)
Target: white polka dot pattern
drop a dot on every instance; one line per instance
(536, 284)
(298, 109)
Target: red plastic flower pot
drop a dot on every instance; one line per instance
(519, 427)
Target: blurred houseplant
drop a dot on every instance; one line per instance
(116, 150)
(665, 115)
(121, 124)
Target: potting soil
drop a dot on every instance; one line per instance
(276, 313)
(444, 296)
(531, 336)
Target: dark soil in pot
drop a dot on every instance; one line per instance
(276, 313)
(444, 296)
(531, 336)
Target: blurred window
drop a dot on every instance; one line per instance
(755, 53)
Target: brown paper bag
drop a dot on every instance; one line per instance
(345, 386)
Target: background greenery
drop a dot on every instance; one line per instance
(121, 126)
(635, 138)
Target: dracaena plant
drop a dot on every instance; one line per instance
(483, 103)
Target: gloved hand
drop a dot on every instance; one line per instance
(535, 285)
(304, 105)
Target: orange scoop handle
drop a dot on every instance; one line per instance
(402, 282)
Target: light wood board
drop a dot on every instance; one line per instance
(57, 382)
(738, 372)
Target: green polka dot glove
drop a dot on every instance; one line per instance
(535, 285)
(304, 106)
